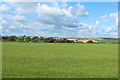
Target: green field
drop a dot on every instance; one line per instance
(109, 41)
(59, 60)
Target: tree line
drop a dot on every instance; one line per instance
(34, 39)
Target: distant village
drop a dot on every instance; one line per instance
(37, 39)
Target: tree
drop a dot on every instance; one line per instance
(12, 38)
(68, 41)
(60, 41)
(27, 39)
(50, 40)
(20, 39)
(4, 38)
(90, 41)
(34, 39)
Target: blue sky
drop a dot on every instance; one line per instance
(60, 19)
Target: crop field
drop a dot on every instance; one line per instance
(109, 41)
(59, 60)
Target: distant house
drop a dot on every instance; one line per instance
(58, 38)
(72, 39)
(95, 41)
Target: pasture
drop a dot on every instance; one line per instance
(59, 60)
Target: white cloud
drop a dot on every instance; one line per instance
(19, 18)
(97, 22)
(5, 8)
(109, 29)
(24, 26)
(83, 30)
(4, 22)
(60, 16)
(49, 13)
(20, 10)
(12, 27)
(64, 5)
(7, 30)
(114, 34)
(44, 9)
(79, 11)
(52, 19)
(111, 16)
(117, 21)
(0, 27)
(39, 26)
(68, 28)
(103, 17)
(85, 26)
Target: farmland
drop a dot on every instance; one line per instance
(59, 60)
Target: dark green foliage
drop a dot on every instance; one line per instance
(60, 41)
(27, 39)
(9, 38)
(48, 40)
(34, 39)
(20, 39)
(90, 41)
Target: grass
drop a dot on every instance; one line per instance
(109, 41)
(59, 60)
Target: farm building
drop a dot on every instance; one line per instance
(72, 39)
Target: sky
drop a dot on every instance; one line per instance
(60, 19)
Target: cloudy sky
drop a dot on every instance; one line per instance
(60, 19)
